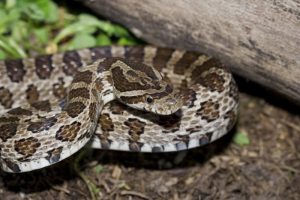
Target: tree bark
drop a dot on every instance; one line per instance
(259, 40)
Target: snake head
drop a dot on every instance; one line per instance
(163, 103)
(142, 87)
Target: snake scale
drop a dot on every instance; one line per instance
(144, 99)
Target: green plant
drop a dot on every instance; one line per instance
(31, 27)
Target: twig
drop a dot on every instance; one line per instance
(291, 125)
(91, 186)
(61, 188)
(133, 193)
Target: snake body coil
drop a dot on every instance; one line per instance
(51, 106)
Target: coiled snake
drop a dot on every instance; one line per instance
(50, 105)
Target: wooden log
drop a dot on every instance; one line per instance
(259, 40)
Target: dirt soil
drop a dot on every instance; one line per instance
(267, 168)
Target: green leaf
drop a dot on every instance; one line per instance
(20, 30)
(42, 34)
(10, 4)
(74, 28)
(2, 55)
(3, 16)
(11, 47)
(8, 19)
(107, 27)
(93, 21)
(88, 19)
(82, 40)
(126, 41)
(120, 31)
(103, 40)
(89, 24)
(33, 11)
(3, 20)
(13, 15)
(51, 12)
(241, 138)
(40, 10)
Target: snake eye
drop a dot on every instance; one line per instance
(149, 99)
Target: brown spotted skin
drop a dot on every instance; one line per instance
(209, 111)
(20, 111)
(161, 58)
(5, 97)
(186, 60)
(8, 130)
(43, 67)
(42, 105)
(68, 132)
(107, 126)
(54, 155)
(136, 128)
(72, 61)
(44, 119)
(27, 147)
(15, 70)
(58, 89)
(32, 94)
(42, 125)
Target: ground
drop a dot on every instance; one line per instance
(267, 168)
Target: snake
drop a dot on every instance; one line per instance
(124, 98)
